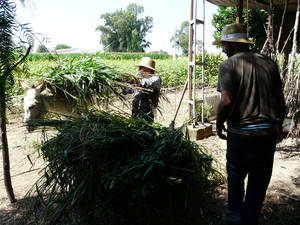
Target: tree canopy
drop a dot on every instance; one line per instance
(257, 19)
(257, 22)
(42, 49)
(180, 39)
(62, 46)
(125, 30)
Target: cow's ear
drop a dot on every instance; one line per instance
(40, 87)
(23, 85)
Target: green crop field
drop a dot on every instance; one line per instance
(172, 71)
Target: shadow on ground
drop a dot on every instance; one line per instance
(281, 209)
(16, 212)
(289, 151)
(178, 207)
(193, 209)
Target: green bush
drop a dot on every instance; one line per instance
(131, 55)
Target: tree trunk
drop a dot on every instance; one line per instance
(281, 27)
(285, 64)
(268, 48)
(5, 151)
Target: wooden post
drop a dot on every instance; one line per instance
(190, 94)
(294, 50)
(281, 27)
(239, 11)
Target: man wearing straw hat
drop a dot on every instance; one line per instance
(146, 98)
(252, 104)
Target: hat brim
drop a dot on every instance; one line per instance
(238, 40)
(149, 67)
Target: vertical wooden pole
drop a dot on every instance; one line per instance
(191, 58)
(291, 69)
(281, 26)
(239, 11)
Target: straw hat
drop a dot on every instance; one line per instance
(233, 33)
(148, 63)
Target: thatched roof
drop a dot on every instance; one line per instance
(262, 4)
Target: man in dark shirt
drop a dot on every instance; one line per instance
(252, 103)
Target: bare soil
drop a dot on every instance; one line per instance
(282, 204)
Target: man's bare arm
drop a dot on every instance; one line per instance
(223, 111)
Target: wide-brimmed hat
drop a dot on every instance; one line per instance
(148, 63)
(233, 33)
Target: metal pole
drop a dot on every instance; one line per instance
(239, 11)
(190, 58)
(181, 98)
(194, 62)
(203, 60)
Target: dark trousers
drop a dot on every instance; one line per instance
(250, 155)
(141, 107)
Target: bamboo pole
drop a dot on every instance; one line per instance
(294, 49)
(268, 47)
(281, 26)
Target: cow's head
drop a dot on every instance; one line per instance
(34, 107)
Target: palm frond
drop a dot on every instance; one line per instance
(7, 28)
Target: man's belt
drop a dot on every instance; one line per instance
(268, 131)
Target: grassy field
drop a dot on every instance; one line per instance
(173, 71)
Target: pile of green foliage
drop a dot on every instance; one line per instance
(87, 80)
(172, 71)
(106, 168)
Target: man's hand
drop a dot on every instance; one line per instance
(220, 128)
(222, 112)
(135, 81)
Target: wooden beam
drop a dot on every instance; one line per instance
(239, 11)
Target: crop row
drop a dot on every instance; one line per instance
(173, 72)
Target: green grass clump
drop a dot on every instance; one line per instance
(86, 80)
(107, 164)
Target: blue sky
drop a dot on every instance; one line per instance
(73, 22)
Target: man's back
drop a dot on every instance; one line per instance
(255, 84)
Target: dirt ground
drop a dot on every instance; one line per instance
(282, 204)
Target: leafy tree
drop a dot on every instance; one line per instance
(62, 46)
(257, 22)
(42, 49)
(180, 39)
(8, 62)
(125, 30)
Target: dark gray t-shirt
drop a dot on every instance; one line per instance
(255, 84)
